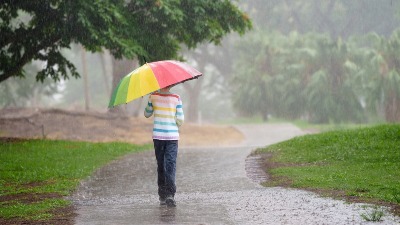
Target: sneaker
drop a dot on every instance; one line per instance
(163, 201)
(170, 201)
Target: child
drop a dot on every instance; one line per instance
(168, 117)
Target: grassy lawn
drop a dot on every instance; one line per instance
(361, 164)
(302, 124)
(35, 175)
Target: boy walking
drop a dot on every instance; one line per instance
(168, 117)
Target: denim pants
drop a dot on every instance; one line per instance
(166, 152)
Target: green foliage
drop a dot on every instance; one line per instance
(315, 78)
(155, 29)
(256, 68)
(330, 94)
(377, 77)
(321, 71)
(295, 76)
(360, 162)
(35, 167)
(375, 215)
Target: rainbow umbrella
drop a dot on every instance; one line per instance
(151, 77)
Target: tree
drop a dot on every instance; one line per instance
(314, 73)
(390, 76)
(50, 26)
(153, 29)
(296, 76)
(330, 94)
(379, 75)
(190, 22)
(209, 59)
(255, 69)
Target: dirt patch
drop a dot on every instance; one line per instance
(103, 127)
(28, 198)
(61, 216)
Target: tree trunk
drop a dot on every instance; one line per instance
(193, 90)
(120, 69)
(85, 78)
(392, 109)
(265, 116)
(265, 105)
(106, 64)
(193, 104)
(137, 108)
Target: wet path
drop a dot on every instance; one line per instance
(212, 188)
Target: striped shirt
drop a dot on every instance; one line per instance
(168, 115)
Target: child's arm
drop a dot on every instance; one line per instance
(179, 116)
(148, 111)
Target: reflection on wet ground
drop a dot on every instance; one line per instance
(212, 188)
(167, 214)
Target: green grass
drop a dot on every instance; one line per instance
(33, 168)
(363, 162)
(302, 124)
(374, 215)
(34, 211)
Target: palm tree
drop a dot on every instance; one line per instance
(382, 76)
(296, 76)
(256, 70)
(331, 96)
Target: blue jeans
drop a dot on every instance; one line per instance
(166, 152)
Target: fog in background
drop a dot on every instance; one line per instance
(319, 61)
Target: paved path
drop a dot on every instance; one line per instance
(212, 188)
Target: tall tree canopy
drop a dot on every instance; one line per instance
(150, 29)
(315, 60)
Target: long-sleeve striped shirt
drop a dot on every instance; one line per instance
(168, 115)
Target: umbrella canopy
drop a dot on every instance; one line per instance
(151, 77)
